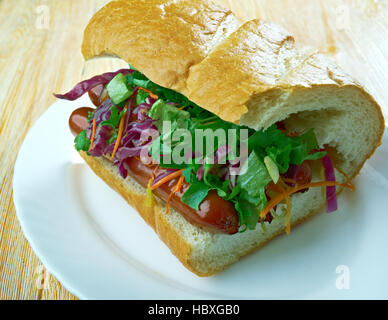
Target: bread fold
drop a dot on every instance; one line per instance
(248, 73)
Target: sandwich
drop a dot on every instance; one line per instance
(221, 134)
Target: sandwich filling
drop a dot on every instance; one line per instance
(218, 175)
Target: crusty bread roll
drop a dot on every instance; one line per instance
(161, 38)
(248, 73)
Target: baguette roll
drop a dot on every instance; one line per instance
(247, 73)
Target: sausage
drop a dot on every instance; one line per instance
(95, 94)
(78, 120)
(214, 212)
(98, 94)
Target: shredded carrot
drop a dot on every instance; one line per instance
(274, 201)
(149, 165)
(168, 202)
(347, 178)
(119, 135)
(274, 187)
(177, 187)
(289, 134)
(150, 198)
(166, 179)
(93, 134)
(181, 108)
(153, 172)
(289, 180)
(152, 95)
(207, 123)
(179, 184)
(287, 220)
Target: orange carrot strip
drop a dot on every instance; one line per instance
(274, 201)
(166, 179)
(347, 178)
(149, 165)
(179, 184)
(168, 202)
(119, 135)
(93, 134)
(177, 187)
(153, 172)
(274, 187)
(283, 187)
(289, 180)
(152, 95)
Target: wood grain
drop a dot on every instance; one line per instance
(40, 54)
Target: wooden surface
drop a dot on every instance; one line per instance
(40, 54)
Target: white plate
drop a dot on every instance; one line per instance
(99, 247)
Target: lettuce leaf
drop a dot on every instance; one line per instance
(195, 194)
(162, 111)
(254, 180)
(141, 96)
(285, 150)
(82, 143)
(114, 119)
(137, 79)
(118, 89)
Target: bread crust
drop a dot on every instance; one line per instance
(162, 38)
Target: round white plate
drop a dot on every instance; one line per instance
(99, 247)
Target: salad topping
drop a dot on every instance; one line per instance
(130, 122)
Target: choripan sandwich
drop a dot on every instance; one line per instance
(221, 134)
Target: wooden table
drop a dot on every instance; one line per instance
(40, 54)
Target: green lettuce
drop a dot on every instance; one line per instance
(118, 89)
(285, 150)
(82, 143)
(195, 194)
(249, 192)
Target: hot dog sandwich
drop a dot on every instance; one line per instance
(221, 134)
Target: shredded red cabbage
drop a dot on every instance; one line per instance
(103, 112)
(221, 153)
(129, 110)
(136, 134)
(125, 152)
(291, 173)
(331, 196)
(142, 110)
(86, 85)
(150, 100)
(200, 173)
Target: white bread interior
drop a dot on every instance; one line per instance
(250, 74)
